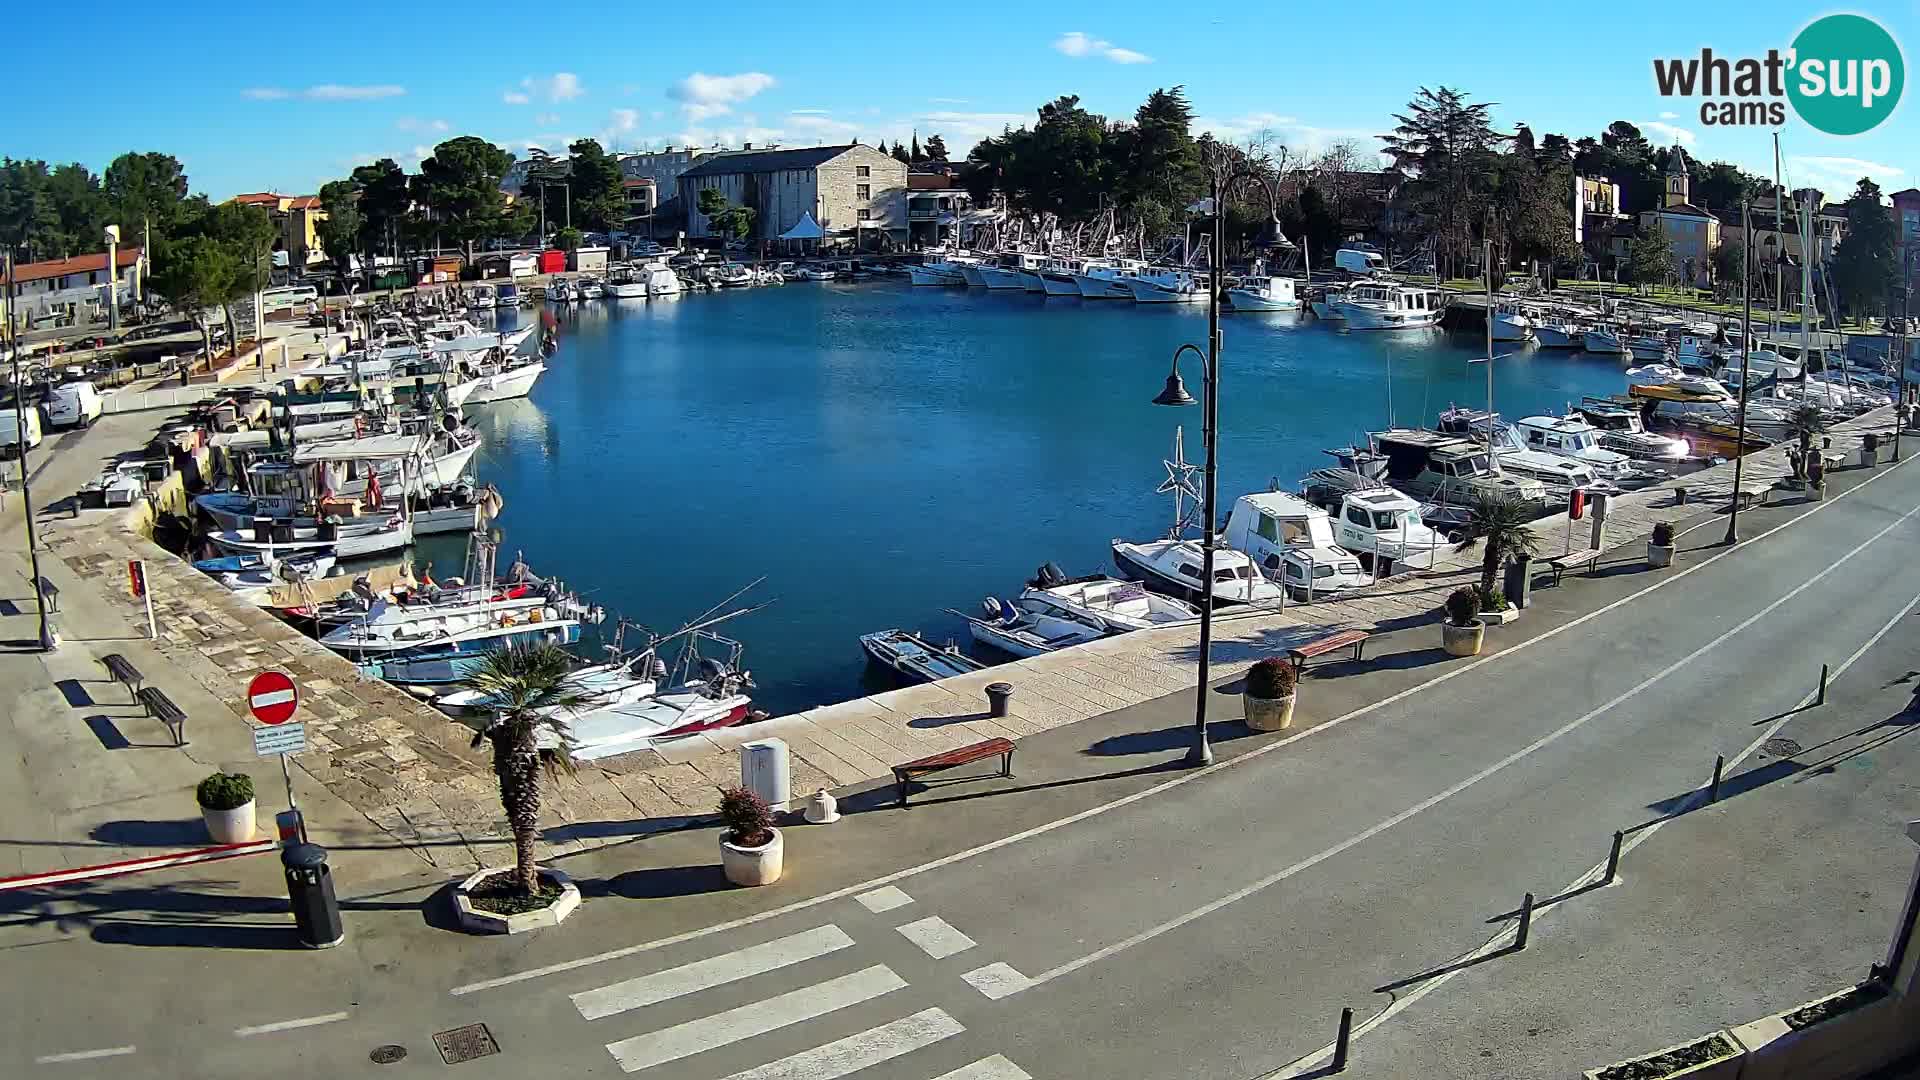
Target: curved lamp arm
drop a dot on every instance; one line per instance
(1176, 390)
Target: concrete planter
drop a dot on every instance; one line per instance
(1659, 556)
(1724, 1065)
(1869, 458)
(1853, 1039)
(1816, 492)
(753, 866)
(233, 826)
(487, 922)
(1463, 640)
(1502, 617)
(1268, 714)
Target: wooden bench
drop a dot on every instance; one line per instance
(52, 593)
(122, 671)
(1560, 564)
(161, 708)
(964, 755)
(1356, 639)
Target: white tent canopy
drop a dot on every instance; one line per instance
(804, 229)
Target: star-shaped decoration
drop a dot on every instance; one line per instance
(1179, 482)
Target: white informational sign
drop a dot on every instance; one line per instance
(282, 739)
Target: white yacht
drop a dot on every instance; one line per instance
(1019, 631)
(1574, 437)
(627, 284)
(1009, 271)
(592, 289)
(1603, 340)
(1168, 286)
(1620, 428)
(1117, 605)
(1292, 541)
(1382, 523)
(1512, 323)
(1391, 306)
(1264, 294)
(1670, 383)
(940, 273)
(661, 280)
(730, 275)
(1174, 567)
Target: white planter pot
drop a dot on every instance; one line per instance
(490, 922)
(753, 866)
(233, 826)
(1502, 617)
(1869, 458)
(1816, 494)
(1659, 556)
(1463, 640)
(1268, 714)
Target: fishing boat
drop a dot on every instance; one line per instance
(1292, 541)
(1167, 286)
(1390, 306)
(699, 694)
(939, 274)
(1105, 279)
(1603, 340)
(1620, 429)
(1016, 631)
(1324, 302)
(254, 577)
(910, 656)
(1263, 293)
(1512, 323)
(1118, 606)
(1058, 276)
(1574, 437)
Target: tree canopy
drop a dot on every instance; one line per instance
(599, 200)
(1863, 265)
(460, 183)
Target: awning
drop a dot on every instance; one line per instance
(804, 229)
(371, 448)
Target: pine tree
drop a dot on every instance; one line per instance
(900, 153)
(1863, 265)
(936, 149)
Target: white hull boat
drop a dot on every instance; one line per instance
(1604, 342)
(1095, 287)
(913, 658)
(935, 275)
(1264, 294)
(1512, 326)
(1174, 567)
(1557, 336)
(650, 721)
(1019, 632)
(1059, 283)
(1001, 277)
(975, 275)
(1119, 606)
(348, 542)
(503, 386)
(1177, 288)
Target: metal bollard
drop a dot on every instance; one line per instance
(1341, 1042)
(1713, 790)
(1821, 699)
(316, 913)
(1526, 921)
(999, 697)
(1613, 858)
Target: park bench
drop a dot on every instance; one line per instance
(949, 759)
(122, 671)
(1560, 564)
(161, 708)
(52, 592)
(1354, 639)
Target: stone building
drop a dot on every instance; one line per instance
(853, 192)
(1692, 231)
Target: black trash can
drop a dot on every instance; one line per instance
(999, 698)
(1519, 582)
(316, 914)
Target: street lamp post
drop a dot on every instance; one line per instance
(1900, 350)
(20, 433)
(1746, 350)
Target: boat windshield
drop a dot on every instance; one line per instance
(1389, 520)
(1582, 441)
(1478, 465)
(1232, 573)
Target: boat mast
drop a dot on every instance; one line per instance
(1779, 243)
(1487, 265)
(1806, 286)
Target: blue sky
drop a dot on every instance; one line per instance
(284, 98)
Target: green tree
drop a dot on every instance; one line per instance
(900, 153)
(1447, 142)
(915, 155)
(249, 236)
(343, 229)
(385, 201)
(1864, 268)
(460, 184)
(29, 220)
(1730, 262)
(567, 238)
(936, 149)
(1721, 186)
(599, 199)
(199, 276)
(713, 202)
(1650, 256)
(1499, 525)
(148, 190)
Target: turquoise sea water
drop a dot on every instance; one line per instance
(881, 453)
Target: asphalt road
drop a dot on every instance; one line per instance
(1180, 925)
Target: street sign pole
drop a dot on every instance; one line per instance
(137, 577)
(273, 698)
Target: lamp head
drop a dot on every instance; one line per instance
(1175, 392)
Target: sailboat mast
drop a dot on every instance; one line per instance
(1487, 264)
(1779, 245)
(1806, 285)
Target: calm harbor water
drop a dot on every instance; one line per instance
(882, 453)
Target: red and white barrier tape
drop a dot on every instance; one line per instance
(135, 866)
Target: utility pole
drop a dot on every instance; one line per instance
(1900, 347)
(1746, 350)
(26, 491)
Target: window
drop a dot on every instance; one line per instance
(1294, 571)
(863, 192)
(863, 171)
(1383, 520)
(1268, 528)
(865, 214)
(1190, 570)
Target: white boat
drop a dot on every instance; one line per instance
(974, 274)
(935, 274)
(504, 384)
(1165, 286)
(1017, 631)
(662, 281)
(1512, 324)
(1326, 304)
(1105, 279)
(627, 283)
(1117, 605)
(1390, 306)
(1557, 474)
(913, 658)
(1264, 294)
(1620, 429)
(592, 289)
(730, 276)
(1384, 524)
(389, 629)
(560, 291)
(1573, 437)
(1553, 333)
(254, 577)
(1174, 567)
(648, 722)
(1667, 381)
(1604, 340)
(1292, 541)
(285, 494)
(356, 539)
(1010, 271)
(1058, 276)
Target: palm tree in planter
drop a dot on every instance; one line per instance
(527, 686)
(1807, 423)
(1499, 525)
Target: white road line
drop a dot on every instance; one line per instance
(747, 1021)
(936, 937)
(1184, 778)
(884, 899)
(289, 1025)
(714, 971)
(987, 1068)
(1434, 800)
(997, 981)
(1505, 937)
(856, 1052)
(83, 1055)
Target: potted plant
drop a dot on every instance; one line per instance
(1269, 695)
(1806, 424)
(226, 805)
(1494, 609)
(526, 688)
(1870, 449)
(1463, 632)
(1660, 546)
(1499, 524)
(750, 848)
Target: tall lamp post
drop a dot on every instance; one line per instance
(1900, 349)
(20, 407)
(1175, 394)
(1746, 350)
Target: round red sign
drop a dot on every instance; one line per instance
(272, 697)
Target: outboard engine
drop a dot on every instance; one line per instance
(658, 669)
(363, 589)
(1051, 575)
(992, 607)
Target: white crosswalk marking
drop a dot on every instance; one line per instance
(989, 1068)
(997, 980)
(856, 1052)
(747, 1021)
(936, 937)
(715, 971)
(885, 898)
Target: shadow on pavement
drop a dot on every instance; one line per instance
(1166, 739)
(885, 796)
(943, 721)
(1400, 661)
(184, 832)
(76, 693)
(197, 935)
(1434, 973)
(659, 883)
(631, 827)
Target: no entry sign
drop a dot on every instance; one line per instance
(272, 697)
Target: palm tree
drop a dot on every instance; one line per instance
(527, 685)
(1502, 524)
(1807, 423)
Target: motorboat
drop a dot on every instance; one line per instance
(355, 539)
(1574, 437)
(1118, 605)
(1386, 526)
(974, 273)
(913, 658)
(1620, 429)
(810, 272)
(561, 291)
(620, 681)
(1512, 323)
(1559, 475)
(1710, 426)
(1292, 541)
(730, 275)
(1438, 467)
(1324, 302)
(592, 289)
(662, 281)
(1105, 279)
(939, 274)
(1009, 271)
(1378, 305)
(283, 492)
(442, 647)
(254, 577)
(1603, 340)
(1670, 383)
(1174, 566)
(1264, 293)
(1168, 286)
(1016, 631)
(502, 382)
(626, 283)
(1059, 276)
(1555, 330)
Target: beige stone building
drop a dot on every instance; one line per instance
(854, 193)
(1692, 231)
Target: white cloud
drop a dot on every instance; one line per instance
(1077, 44)
(976, 125)
(703, 96)
(325, 92)
(1837, 175)
(816, 123)
(560, 86)
(1669, 116)
(1683, 136)
(546, 119)
(515, 97)
(625, 120)
(412, 123)
(728, 136)
(948, 101)
(810, 112)
(1846, 164)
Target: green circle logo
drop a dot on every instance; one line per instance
(1847, 74)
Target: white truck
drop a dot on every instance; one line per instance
(74, 404)
(1291, 541)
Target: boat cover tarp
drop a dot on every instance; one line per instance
(370, 448)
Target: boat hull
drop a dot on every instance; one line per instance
(974, 276)
(1555, 337)
(1248, 300)
(1059, 285)
(1099, 288)
(456, 662)
(1147, 292)
(998, 277)
(505, 386)
(1358, 317)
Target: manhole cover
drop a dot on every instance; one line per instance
(387, 1055)
(1780, 748)
(466, 1043)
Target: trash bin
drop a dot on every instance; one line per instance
(1519, 583)
(316, 914)
(999, 699)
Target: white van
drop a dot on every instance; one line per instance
(10, 430)
(1361, 260)
(76, 404)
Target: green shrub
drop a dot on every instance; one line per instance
(1463, 606)
(1271, 679)
(1491, 599)
(748, 818)
(1663, 534)
(225, 791)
